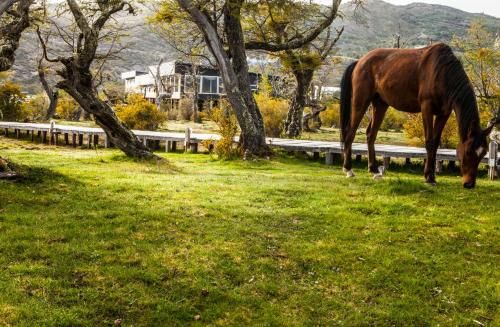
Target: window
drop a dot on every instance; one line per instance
(209, 85)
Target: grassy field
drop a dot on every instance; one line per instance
(91, 238)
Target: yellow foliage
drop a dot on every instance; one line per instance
(67, 108)
(414, 131)
(393, 120)
(274, 112)
(227, 128)
(37, 107)
(12, 106)
(331, 116)
(139, 113)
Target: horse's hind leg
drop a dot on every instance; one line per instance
(379, 110)
(359, 106)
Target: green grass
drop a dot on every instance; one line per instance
(89, 237)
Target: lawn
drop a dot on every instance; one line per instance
(91, 238)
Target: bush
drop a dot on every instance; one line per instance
(139, 113)
(37, 107)
(414, 131)
(12, 106)
(67, 108)
(393, 120)
(186, 108)
(227, 128)
(274, 112)
(331, 116)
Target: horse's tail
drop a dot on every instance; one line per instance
(345, 100)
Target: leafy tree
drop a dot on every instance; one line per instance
(14, 19)
(91, 39)
(480, 53)
(222, 25)
(283, 22)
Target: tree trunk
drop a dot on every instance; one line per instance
(316, 109)
(196, 89)
(5, 5)
(253, 135)
(10, 33)
(78, 83)
(293, 122)
(53, 100)
(52, 93)
(234, 74)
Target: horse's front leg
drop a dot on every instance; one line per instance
(379, 110)
(356, 117)
(439, 124)
(430, 163)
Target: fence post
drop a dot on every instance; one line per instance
(492, 160)
(187, 138)
(51, 131)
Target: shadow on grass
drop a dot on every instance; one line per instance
(153, 166)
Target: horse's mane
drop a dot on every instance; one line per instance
(457, 87)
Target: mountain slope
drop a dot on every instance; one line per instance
(417, 23)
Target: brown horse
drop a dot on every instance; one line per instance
(430, 80)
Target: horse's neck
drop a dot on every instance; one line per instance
(468, 121)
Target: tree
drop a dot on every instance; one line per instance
(90, 25)
(222, 26)
(14, 19)
(282, 22)
(188, 42)
(480, 53)
(51, 92)
(303, 63)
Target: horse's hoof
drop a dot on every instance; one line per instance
(431, 183)
(381, 170)
(378, 177)
(350, 174)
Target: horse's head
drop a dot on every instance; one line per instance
(471, 151)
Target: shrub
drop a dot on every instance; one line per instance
(414, 131)
(227, 128)
(67, 108)
(393, 120)
(139, 113)
(12, 105)
(331, 116)
(37, 107)
(274, 112)
(186, 108)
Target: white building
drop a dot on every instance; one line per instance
(177, 82)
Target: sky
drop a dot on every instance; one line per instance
(489, 7)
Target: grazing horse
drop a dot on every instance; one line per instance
(429, 80)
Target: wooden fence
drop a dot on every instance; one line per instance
(88, 136)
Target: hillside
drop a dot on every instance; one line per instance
(417, 24)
